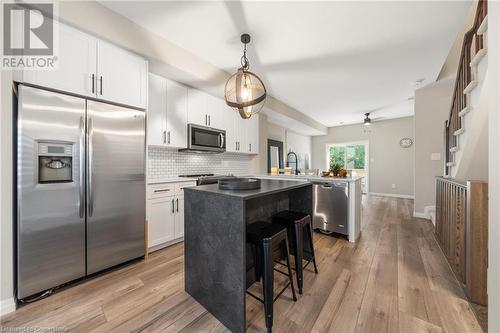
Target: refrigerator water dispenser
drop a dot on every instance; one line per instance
(55, 162)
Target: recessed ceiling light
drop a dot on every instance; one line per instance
(418, 82)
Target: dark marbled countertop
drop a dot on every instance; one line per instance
(268, 186)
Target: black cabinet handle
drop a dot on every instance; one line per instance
(172, 205)
(93, 83)
(100, 85)
(177, 204)
(164, 190)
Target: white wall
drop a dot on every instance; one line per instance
(300, 145)
(6, 223)
(389, 163)
(432, 107)
(494, 167)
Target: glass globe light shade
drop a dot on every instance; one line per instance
(245, 92)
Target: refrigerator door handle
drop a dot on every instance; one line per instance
(90, 173)
(81, 148)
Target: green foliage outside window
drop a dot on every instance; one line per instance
(337, 156)
(348, 157)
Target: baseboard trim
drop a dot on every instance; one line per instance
(421, 215)
(404, 196)
(7, 306)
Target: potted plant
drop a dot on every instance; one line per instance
(335, 168)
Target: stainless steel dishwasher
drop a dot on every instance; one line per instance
(331, 206)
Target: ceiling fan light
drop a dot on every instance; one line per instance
(367, 121)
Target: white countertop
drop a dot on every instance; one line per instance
(309, 178)
(171, 180)
(304, 178)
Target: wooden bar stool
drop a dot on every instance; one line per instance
(271, 243)
(296, 223)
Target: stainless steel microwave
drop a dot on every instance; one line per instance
(205, 139)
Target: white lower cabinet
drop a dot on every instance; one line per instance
(165, 213)
(160, 221)
(179, 218)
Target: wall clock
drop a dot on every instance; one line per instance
(406, 142)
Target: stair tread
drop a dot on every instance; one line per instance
(483, 27)
(465, 110)
(477, 57)
(470, 86)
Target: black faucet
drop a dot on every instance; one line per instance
(296, 162)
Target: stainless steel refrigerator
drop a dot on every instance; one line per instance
(80, 188)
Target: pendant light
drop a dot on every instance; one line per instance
(244, 91)
(367, 121)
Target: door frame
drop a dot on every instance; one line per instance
(365, 143)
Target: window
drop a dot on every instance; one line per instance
(352, 156)
(347, 156)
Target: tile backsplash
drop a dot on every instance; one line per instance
(164, 163)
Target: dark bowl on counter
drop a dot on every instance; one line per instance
(239, 184)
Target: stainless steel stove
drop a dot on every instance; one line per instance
(207, 178)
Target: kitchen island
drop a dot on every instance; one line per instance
(216, 254)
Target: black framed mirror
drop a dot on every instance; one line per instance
(274, 154)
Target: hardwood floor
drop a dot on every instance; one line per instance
(395, 279)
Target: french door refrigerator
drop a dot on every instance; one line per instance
(80, 188)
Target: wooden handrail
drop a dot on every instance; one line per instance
(472, 43)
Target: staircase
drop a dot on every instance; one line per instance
(468, 113)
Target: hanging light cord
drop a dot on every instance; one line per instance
(245, 64)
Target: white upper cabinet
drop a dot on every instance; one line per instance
(232, 136)
(218, 112)
(122, 76)
(177, 97)
(252, 134)
(75, 66)
(91, 67)
(157, 111)
(197, 107)
(167, 113)
(242, 135)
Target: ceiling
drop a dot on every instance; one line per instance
(332, 61)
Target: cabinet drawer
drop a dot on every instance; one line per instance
(179, 188)
(160, 190)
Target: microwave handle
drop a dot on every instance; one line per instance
(221, 140)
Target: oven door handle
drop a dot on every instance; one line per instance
(81, 191)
